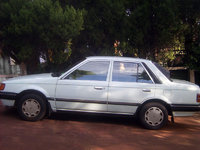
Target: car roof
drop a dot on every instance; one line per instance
(118, 58)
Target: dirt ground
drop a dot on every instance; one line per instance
(94, 132)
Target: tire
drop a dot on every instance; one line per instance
(153, 116)
(31, 107)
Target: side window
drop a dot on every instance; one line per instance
(124, 72)
(93, 70)
(129, 72)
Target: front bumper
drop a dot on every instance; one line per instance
(6, 102)
(8, 95)
(8, 98)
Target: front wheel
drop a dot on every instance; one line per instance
(153, 115)
(31, 107)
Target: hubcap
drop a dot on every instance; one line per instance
(154, 116)
(31, 108)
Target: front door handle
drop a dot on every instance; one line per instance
(99, 88)
(146, 90)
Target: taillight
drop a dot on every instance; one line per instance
(2, 86)
(198, 98)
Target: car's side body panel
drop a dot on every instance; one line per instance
(85, 95)
(125, 97)
(128, 95)
(44, 83)
(81, 95)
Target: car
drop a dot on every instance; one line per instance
(108, 85)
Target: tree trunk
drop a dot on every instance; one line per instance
(23, 68)
(192, 76)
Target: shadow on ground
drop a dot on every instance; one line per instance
(181, 123)
(96, 118)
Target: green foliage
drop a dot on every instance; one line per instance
(59, 56)
(165, 56)
(153, 26)
(189, 14)
(194, 55)
(143, 27)
(31, 28)
(105, 22)
(24, 53)
(64, 31)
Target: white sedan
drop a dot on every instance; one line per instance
(112, 85)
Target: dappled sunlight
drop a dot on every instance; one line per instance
(197, 121)
(163, 134)
(114, 147)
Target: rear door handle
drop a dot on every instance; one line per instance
(99, 88)
(146, 90)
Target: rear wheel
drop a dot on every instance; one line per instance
(31, 107)
(153, 115)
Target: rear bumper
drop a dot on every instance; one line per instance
(184, 110)
(185, 107)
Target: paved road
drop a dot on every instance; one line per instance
(94, 132)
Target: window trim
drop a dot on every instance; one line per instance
(147, 73)
(83, 63)
(136, 62)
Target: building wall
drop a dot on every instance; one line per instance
(7, 70)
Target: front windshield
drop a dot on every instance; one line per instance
(59, 73)
(163, 70)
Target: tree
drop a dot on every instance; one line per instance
(105, 22)
(141, 28)
(138, 28)
(39, 28)
(189, 14)
(153, 26)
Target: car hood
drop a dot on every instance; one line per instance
(36, 78)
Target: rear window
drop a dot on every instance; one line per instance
(129, 72)
(163, 70)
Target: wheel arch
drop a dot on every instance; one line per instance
(167, 106)
(36, 92)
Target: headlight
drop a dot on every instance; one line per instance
(2, 86)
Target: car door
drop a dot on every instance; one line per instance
(85, 88)
(130, 85)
